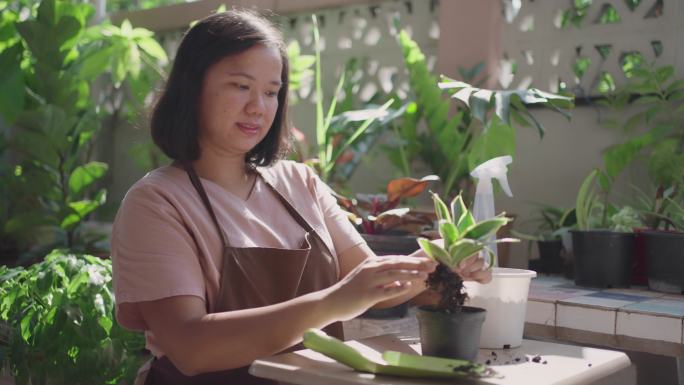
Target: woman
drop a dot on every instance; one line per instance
(229, 254)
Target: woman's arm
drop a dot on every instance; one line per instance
(197, 342)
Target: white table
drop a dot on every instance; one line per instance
(565, 365)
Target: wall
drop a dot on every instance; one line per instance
(462, 33)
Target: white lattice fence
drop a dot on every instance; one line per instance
(545, 52)
(365, 32)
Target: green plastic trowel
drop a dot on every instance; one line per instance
(392, 363)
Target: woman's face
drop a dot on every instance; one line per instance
(239, 100)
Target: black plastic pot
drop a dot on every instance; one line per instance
(451, 335)
(665, 258)
(550, 256)
(383, 244)
(640, 266)
(603, 258)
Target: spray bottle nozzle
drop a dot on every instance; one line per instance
(493, 168)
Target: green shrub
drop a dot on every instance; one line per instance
(60, 314)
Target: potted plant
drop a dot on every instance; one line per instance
(60, 314)
(663, 249)
(552, 224)
(603, 243)
(658, 144)
(387, 228)
(450, 329)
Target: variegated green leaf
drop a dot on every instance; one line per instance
(465, 222)
(448, 232)
(458, 208)
(492, 257)
(463, 249)
(484, 229)
(434, 251)
(441, 208)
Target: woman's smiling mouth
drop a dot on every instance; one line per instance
(249, 129)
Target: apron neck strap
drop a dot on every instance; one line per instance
(288, 205)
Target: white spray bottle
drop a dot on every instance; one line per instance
(483, 207)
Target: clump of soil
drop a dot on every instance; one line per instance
(450, 287)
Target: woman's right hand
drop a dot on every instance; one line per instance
(377, 279)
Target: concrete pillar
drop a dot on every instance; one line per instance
(470, 32)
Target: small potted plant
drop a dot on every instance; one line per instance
(663, 245)
(604, 241)
(553, 223)
(387, 228)
(450, 329)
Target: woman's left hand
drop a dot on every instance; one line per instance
(471, 269)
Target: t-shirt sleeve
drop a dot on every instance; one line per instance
(342, 232)
(154, 256)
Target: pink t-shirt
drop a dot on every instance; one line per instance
(164, 243)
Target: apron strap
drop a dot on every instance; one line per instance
(288, 206)
(197, 183)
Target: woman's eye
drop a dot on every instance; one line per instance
(241, 86)
(271, 94)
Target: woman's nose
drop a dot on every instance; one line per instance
(256, 105)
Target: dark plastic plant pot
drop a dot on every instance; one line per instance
(665, 258)
(550, 256)
(451, 335)
(603, 258)
(383, 244)
(639, 269)
(568, 256)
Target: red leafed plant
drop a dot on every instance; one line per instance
(378, 213)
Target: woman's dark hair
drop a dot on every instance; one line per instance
(174, 121)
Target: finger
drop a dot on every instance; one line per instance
(386, 277)
(482, 276)
(467, 262)
(395, 289)
(407, 263)
(416, 279)
(476, 265)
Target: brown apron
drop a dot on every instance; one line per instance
(255, 277)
